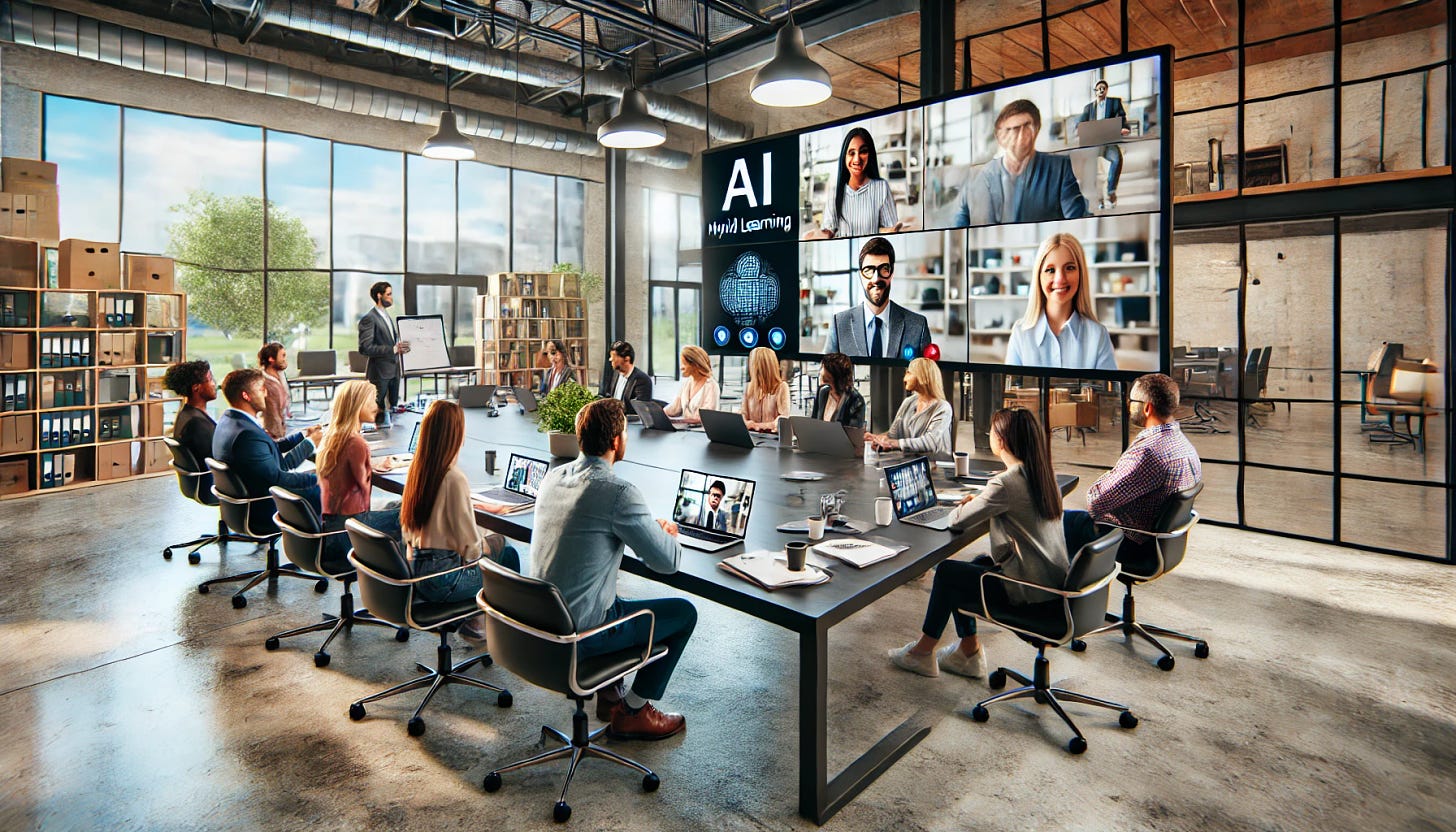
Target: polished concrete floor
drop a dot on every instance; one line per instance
(128, 701)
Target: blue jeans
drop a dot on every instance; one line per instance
(675, 620)
(337, 547)
(1113, 154)
(456, 586)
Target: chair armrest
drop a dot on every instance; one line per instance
(406, 581)
(646, 648)
(183, 472)
(1178, 532)
(238, 501)
(280, 523)
(1064, 593)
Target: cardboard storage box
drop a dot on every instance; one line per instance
(150, 274)
(17, 433)
(155, 416)
(19, 263)
(28, 176)
(156, 458)
(1073, 415)
(15, 476)
(15, 351)
(45, 219)
(116, 460)
(88, 265)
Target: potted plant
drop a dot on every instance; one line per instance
(556, 417)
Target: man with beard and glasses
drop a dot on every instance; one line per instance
(879, 327)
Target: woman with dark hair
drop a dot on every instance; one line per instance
(1024, 507)
(558, 370)
(437, 517)
(861, 202)
(837, 400)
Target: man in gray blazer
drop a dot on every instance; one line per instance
(879, 327)
(379, 341)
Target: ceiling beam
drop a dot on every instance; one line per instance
(638, 23)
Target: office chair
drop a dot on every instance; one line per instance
(194, 480)
(1079, 610)
(249, 516)
(1403, 395)
(388, 591)
(1140, 565)
(532, 633)
(1253, 389)
(306, 544)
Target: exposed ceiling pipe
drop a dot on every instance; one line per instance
(372, 33)
(60, 31)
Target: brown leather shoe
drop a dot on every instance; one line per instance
(607, 699)
(647, 724)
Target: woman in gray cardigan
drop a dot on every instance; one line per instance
(1024, 507)
(923, 423)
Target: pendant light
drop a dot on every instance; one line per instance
(632, 126)
(448, 142)
(791, 79)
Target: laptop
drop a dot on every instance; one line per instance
(653, 416)
(816, 436)
(522, 482)
(729, 429)
(477, 395)
(704, 526)
(913, 495)
(402, 460)
(1099, 131)
(317, 363)
(525, 398)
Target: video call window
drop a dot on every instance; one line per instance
(713, 502)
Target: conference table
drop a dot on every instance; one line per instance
(653, 463)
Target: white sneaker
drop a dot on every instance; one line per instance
(952, 660)
(925, 665)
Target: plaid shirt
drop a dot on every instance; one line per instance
(1160, 462)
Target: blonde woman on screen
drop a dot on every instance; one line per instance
(1060, 328)
(923, 423)
(766, 397)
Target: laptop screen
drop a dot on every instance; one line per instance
(910, 487)
(713, 502)
(414, 437)
(524, 474)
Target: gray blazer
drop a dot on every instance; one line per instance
(376, 341)
(1025, 545)
(847, 335)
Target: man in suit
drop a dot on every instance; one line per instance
(878, 327)
(379, 340)
(628, 382)
(258, 460)
(712, 516)
(1104, 107)
(1021, 185)
(193, 428)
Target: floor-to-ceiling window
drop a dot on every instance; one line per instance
(674, 277)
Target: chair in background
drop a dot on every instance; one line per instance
(388, 591)
(194, 480)
(1256, 374)
(1398, 389)
(316, 368)
(306, 544)
(253, 518)
(1140, 565)
(532, 633)
(1079, 610)
(358, 362)
(1198, 383)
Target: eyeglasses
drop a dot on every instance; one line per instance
(882, 270)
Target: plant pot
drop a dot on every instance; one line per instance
(563, 444)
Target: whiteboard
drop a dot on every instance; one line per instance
(426, 337)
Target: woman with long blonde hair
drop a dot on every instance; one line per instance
(699, 389)
(766, 397)
(346, 471)
(1060, 327)
(923, 423)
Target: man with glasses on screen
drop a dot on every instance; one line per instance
(878, 327)
(1104, 107)
(1021, 185)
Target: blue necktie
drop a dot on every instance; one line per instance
(877, 346)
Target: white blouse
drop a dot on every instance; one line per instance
(690, 399)
(1082, 345)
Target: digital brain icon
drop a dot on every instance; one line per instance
(749, 290)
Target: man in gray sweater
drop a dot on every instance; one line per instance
(585, 516)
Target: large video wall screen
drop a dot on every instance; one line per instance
(1019, 228)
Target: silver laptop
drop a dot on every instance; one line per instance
(522, 482)
(654, 417)
(476, 395)
(711, 511)
(816, 436)
(729, 429)
(913, 495)
(526, 398)
(1099, 131)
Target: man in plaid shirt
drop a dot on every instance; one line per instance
(1159, 463)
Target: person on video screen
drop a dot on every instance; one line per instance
(1060, 328)
(1100, 108)
(861, 202)
(878, 327)
(1021, 185)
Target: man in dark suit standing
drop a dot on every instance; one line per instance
(258, 460)
(629, 382)
(1101, 108)
(878, 327)
(379, 340)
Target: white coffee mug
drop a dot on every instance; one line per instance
(884, 512)
(816, 528)
(962, 464)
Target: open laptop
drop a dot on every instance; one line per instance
(522, 482)
(525, 398)
(711, 510)
(317, 362)
(816, 436)
(654, 417)
(476, 395)
(1099, 131)
(913, 495)
(729, 428)
(400, 461)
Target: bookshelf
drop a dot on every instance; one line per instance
(517, 314)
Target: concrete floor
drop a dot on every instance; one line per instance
(128, 701)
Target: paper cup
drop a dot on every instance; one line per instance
(816, 528)
(884, 512)
(798, 554)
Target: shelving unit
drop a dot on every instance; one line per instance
(517, 314)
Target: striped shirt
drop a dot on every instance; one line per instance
(866, 210)
(1158, 464)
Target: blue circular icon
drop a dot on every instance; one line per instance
(908, 352)
(721, 335)
(776, 338)
(748, 337)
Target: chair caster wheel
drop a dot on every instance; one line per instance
(415, 726)
(194, 558)
(321, 586)
(492, 782)
(320, 659)
(486, 660)
(1039, 698)
(1200, 650)
(997, 680)
(1127, 720)
(203, 589)
(561, 813)
(980, 714)
(271, 644)
(1079, 646)
(356, 712)
(504, 699)
(1076, 745)
(401, 635)
(1166, 663)
(239, 601)
(166, 554)
(650, 782)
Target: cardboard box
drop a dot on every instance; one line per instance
(156, 458)
(150, 274)
(1073, 415)
(19, 263)
(117, 460)
(15, 476)
(28, 176)
(45, 219)
(89, 265)
(155, 417)
(15, 351)
(17, 433)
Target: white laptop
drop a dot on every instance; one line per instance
(711, 511)
(913, 495)
(522, 482)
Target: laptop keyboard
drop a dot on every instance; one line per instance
(932, 514)
(704, 534)
(502, 495)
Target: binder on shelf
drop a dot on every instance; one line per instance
(68, 467)
(86, 428)
(47, 474)
(8, 384)
(22, 393)
(45, 430)
(128, 312)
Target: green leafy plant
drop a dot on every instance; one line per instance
(591, 282)
(557, 411)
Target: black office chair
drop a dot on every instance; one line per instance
(1044, 624)
(306, 544)
(252, 517)
(532, 633)
(388, 591)
(1142, 564)
(195, 483)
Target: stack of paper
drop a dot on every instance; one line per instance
(860, 553)
(770, 570)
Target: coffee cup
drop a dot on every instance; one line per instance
(798, 554)
(490, 462)
(884, 512)
(816, 528)
(962, 464)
